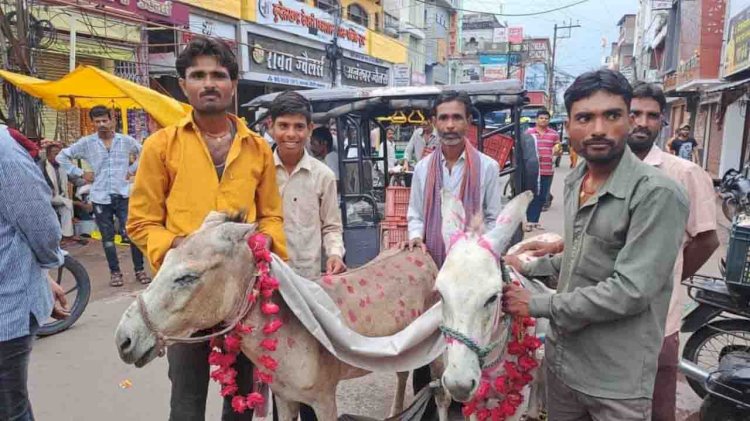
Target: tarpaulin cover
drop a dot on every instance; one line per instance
(88, 86)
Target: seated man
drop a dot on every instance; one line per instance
(57, 180)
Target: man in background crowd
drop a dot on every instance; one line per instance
(321, 145)
(109, 155)
(422, 142)
(57, 180)
(546, 139)
(683, 145)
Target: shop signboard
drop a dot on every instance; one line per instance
(310, 22)
(418, 78)
(471, 73)
(661, 4)
(494, 72)
(210, 27)
(535, 78)
(515, 34)
(357, 73)
(401, 75)
(159, 10)
(276, 61)
(500, 35)
(737, 50)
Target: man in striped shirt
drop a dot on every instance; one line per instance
(108, 153)
(29, 242)
(546, 139)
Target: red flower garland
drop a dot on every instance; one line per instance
(499, 396)
(224, 350)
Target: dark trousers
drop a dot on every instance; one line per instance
(105, 220)
(189, 373)
(14, 375)
(664, 404)
(535, 208)
(420, 378)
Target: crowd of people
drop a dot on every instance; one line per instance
(638, 221)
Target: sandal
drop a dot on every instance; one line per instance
(142, 277)
(115, 280)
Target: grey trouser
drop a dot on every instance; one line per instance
(566, 404)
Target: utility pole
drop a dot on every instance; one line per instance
(552, 93)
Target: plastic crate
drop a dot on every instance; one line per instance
(498, 147)
(396, 202)
(393, 233)
(738, 261)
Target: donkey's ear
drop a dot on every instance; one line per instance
(513, 214)
(213, 219)
(237, 232)
(454, 217)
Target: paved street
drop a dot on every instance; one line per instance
(76, 375)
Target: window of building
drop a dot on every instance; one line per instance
(330, 6)
(358, 14)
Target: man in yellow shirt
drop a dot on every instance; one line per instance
(208, 161)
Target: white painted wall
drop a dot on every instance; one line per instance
(734, 125)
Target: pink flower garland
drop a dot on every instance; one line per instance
(498, 397)
(224, 350)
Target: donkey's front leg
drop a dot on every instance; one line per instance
(288, 410)
(442, 397)
(325, 406)
(398, 399)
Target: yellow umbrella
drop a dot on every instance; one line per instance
(88, 86)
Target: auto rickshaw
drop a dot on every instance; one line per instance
(368, 187)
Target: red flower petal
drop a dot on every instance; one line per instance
(482, 391)
(232, 343)
(532, 342)
(229, 390)
(501, 385)
(264, 377)
(269, 344)
(527, 363)
(269, 308)
(272, 326)
(239, 404)
(468, 409)
(268, 362)
(483, 414)
(243, 329)
(255, 400)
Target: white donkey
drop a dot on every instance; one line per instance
(470, 284)
(202, 281)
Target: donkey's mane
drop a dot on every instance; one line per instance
(238, 217)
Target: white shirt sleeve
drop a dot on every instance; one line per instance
(492, 192)
(415, 214)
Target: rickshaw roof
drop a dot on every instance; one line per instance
(506, 92)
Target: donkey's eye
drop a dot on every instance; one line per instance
(491, 301)
(186, 279)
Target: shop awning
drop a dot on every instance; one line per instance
(88, 86)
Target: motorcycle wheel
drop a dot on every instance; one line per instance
(718, 409)
(709, 344)
(74, 279)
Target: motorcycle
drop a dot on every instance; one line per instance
(728, 387)
(716, 357)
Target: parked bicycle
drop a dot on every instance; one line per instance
(74, 279)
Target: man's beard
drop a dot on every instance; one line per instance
(615, 151)
(451, 139)
(641, 145)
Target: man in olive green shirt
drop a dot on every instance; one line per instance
(624, 223)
